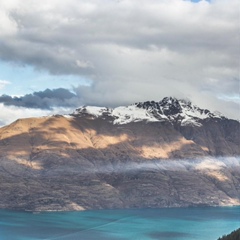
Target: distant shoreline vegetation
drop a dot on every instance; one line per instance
(235, 235)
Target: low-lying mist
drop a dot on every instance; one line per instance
(211, 164)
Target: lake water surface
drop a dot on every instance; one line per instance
(140, 224)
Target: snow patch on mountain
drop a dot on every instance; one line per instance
(124, 115)
(120, 115)
(93, 110)
(170, 109)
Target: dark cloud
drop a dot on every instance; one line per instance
(47, 99)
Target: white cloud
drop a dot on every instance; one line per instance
(8, 114)
(84, 64)
(3, 83)
(8, 25)
(130, 50)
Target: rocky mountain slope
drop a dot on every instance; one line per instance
(150, 154)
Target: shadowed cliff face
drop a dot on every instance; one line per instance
(75, 163)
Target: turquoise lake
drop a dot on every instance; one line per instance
(207, 223)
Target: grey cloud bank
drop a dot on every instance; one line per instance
(130, 50)
(47, 99)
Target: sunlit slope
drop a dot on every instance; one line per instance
(81, 137)
(32, 139)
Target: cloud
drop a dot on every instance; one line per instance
(3, 83)
(8, 114)
(130, 50)
(47, 99)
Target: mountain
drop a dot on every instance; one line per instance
(151, 154)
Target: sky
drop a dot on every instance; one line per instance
(57, 55)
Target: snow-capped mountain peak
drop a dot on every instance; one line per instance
(176, 111)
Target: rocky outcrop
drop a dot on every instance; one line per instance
(86, 161)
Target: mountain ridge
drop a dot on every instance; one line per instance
(168, 109)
